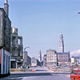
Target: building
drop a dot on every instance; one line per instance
(26, 59)
(72, 61)
(51, 58)
(44, 60)
(63, 58)
(34, 62)
(40, 56)
(16, 48)
(5, 40)
(5, 28)
(61, 43)
(5, 63)
(39, 63)
(76, 59)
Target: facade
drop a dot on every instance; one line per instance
(63, 58)
(61, 43)
(76, 59)
(5, 30)
(5, 62)
(39, 63)
(51, 58)
(40, 56)
(44, 60)
(6, 7)
(34, 62)
(5, 41)
(16, 48)
(26, 59)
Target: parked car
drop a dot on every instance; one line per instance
(75, 75)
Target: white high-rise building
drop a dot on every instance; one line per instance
(51, 58)
(40, 56)
(61, 43)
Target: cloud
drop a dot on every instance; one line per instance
(75, 53)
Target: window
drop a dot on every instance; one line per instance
(79, 73)
(58, 59)
(74, 72)
(64, 60)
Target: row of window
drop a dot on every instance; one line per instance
(63, 60)
(51, 57)
(62, 56)
(51, 60)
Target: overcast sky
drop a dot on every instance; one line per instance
(41, 21)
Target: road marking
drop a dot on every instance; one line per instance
(68, 76)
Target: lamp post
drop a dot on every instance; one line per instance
(24, 55)
(78, 12)
(26, 47)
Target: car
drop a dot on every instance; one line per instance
(75, 75)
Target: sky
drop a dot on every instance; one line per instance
(40, 23)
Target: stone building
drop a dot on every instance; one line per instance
(63, 58)
(5, 29)
(26, 59)
(16, 48)
(44, 60)
(5, 63)
(76, 59)
(5, 40)
(40, 56)
(61, 43)
(51, 58)
(35, 62)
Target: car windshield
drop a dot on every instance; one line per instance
(79, 72)
(74, 72)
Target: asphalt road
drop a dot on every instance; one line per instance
(41, 73)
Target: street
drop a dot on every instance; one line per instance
(41, 73)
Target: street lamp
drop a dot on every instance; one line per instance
(24, 54)
(78, 12)
(26, 47)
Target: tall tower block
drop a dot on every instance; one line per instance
(40, 56)
(6, 7)
(61, 43)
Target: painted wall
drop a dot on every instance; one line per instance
(5, 63)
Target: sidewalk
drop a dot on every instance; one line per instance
(20, 72)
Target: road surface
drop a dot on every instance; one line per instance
(41, 73)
